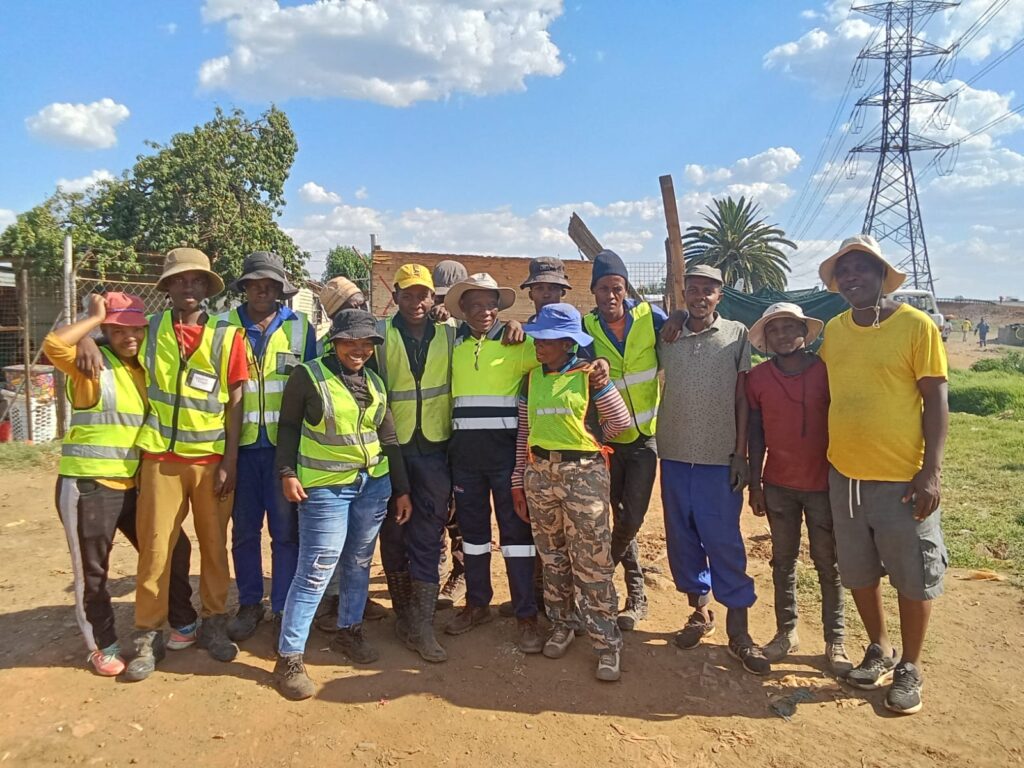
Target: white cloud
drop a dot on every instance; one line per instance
(1005, 30)
(362, 193)
(86, 126)
(170, 28)
(311, 192)
(822, 55)
(390, 51)
(768, 166)
(7, 217)
(85, 182)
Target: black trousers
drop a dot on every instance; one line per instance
(91, 514)
(633, 468)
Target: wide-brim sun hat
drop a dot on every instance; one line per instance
(335, 293)
(480, 281)
(353, 325)
(265, 265)
(559, 321)
(892, 278)
(757, 336)
(179, 260)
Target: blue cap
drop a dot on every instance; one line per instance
(559, 321)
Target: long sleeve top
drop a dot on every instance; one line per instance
(302, 401)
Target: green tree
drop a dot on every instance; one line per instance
(346, 261)
(737, 240)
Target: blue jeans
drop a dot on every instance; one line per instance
(258, 493)
(338, 528)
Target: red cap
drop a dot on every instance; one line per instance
(124, 309)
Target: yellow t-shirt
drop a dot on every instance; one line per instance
(874, 422)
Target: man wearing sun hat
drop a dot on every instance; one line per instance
(887, 422)
(277, 340)
(414, 360)
(788, 396)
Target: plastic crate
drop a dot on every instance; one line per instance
(44, 419)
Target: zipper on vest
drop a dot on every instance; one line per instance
(359, 436)
(177, 407)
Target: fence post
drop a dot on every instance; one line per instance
(68, 295)
(27, 350)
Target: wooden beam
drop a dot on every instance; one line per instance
(674, 257)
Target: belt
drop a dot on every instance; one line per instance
(544, 453)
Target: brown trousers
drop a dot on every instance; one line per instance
(167, 490)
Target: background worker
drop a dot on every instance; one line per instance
(702, 438)
(195, 368)
(788, 395)
(625, 333)
(339, 459)
(561, 483)
(486, 376)
(276, 341)
(96, 493)
(414, 361)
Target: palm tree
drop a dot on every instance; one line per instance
(738, 242)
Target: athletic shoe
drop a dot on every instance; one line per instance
(905, 694)
(291, 678)
(874, 671)
(696, 629)
(453, 591)
(559, 640)
(780, 646)
(608, 667)
(750, 656)
(634, 612)
(149, 650)
(838, 661)
(183, 637)
(107, 661)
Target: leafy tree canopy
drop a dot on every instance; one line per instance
(346, 261)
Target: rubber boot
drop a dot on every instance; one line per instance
(400, 589)
(421, 635)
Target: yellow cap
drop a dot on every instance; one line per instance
(413, 274)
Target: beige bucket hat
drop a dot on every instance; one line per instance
(481, 281)
(180, 260)
(891, 280)
(783, 309)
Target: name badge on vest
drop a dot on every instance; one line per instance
(204, 382)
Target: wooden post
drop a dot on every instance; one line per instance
(27, 351)
(675, 243)
(68, 318)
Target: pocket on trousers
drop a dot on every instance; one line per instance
(934, 557)
(87, 486)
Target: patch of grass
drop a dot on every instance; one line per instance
(987, 393)
(1011, 362)
(982, 488)
(19, 456)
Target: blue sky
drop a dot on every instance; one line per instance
(477, 126)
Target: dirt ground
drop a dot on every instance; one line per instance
(489, 704)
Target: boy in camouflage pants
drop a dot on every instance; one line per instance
(561, 484)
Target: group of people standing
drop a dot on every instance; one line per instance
(557, 428)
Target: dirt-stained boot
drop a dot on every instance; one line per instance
(400, 589)
(421, 633)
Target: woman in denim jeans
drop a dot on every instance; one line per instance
(336, 445)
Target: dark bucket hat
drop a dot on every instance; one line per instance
(265, 264)
(355, 324)
(547, 269)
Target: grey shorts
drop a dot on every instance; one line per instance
(876, 534)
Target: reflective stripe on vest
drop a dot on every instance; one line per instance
(634, 373)
(557, 406)
(283, 350)
(427, 402)
(485, 389)
(345, 440)
(101, 440)
(183, 417)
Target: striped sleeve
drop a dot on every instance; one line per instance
(522, 435)
(612, 412)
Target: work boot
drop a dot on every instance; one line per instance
(213, 637)
(291, 678)
(559, 640)
(400, 589)
(244, 624)
(149, 650)
(780, 646)
(468, 616)
(530, 640)
(506, 610)
(421, 623)
(351, 642)
(634, 612)
(327, 614)
(608, 666)
(373, 611)
(453, 591)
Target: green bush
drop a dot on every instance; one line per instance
(1011, 362)
(986, 393)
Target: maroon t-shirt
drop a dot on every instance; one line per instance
(794, 410)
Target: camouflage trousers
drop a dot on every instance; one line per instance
(571, 519)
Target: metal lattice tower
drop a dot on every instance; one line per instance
(893, 211)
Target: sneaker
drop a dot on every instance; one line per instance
(874, 671)
(291, 678)
(838, 661)
(559, 640)
(634, 612)
(608, 666)
(213, 638)
(529, 636)
(374, 611)
(107, 661)
(353, 643)
(326, 619)
(905, 694)
(244, 624)
(149, 650)
(750, 656)
(783, 644)
(466, 618)
(696, 629)
(453, 591)
(183, 637)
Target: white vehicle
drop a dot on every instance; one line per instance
(920, 299)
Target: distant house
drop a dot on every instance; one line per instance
(307, 300)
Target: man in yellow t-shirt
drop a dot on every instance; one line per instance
(887, 430)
